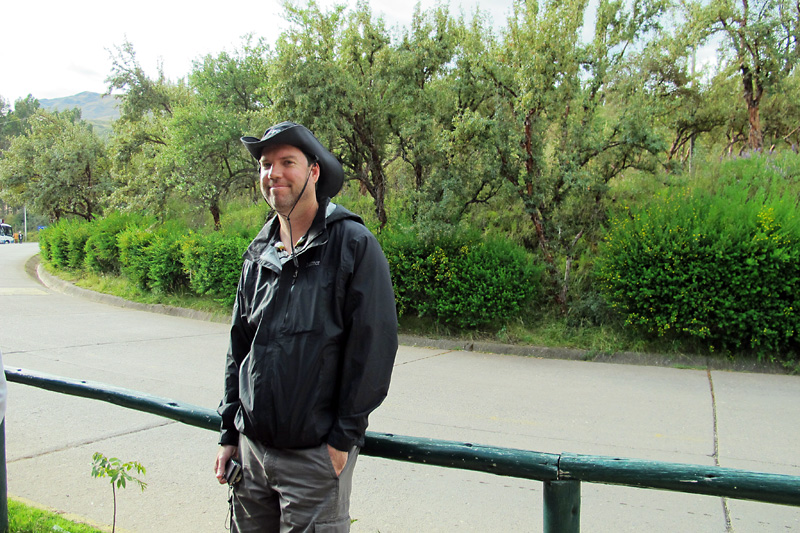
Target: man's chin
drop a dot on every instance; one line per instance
(279, 205)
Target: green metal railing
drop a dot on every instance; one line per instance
(560, 473)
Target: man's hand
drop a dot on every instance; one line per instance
(338, 458)
(223, 455)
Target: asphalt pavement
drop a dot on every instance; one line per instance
(703, 416)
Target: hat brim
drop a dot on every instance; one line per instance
(331, 176)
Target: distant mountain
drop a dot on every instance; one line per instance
(96, 109)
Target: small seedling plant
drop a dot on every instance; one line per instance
(119, 473)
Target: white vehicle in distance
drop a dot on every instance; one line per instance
(6, 234)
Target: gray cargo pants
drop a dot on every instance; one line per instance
(291, 491)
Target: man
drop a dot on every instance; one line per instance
(313, 342)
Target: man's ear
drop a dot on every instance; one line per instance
(315, 171)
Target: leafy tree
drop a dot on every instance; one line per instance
(205, 154)
(140, 134)
(331, 74)
(663, 79)
(60, 168)
(141, 95)
(423, 85)
(229, 96)
(236, 81)
(379, 103)
(560, 130)
(14, 123)
(782, 109)
(138, 168)
(762, 45)
(445, 142)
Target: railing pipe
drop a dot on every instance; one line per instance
(182, 412)
(561, 473)
(694, 479)
(500, 461)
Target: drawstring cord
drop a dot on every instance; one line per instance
(289, 220)
(229, 518)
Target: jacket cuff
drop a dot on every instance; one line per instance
(340, 442)
(228, 437)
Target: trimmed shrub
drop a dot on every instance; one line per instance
(722, 268)
(58, 237)
(151, 258)
(133, 259)
(406, 256)
(102, 252)
(213, 262)
(77, 234)
(44, 243)
(463, 281)
(165, 271)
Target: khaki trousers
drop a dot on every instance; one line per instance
(291, 491)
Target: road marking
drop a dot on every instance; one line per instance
(11, 291)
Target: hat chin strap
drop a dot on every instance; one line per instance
(291, 236)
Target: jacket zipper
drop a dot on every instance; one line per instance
(313, 244)
(289, 299)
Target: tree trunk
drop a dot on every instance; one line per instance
(558, 291)
(753, 90)
(215, 213)
(755, 140)
(544, 244)
(379, 186)
(380, 201)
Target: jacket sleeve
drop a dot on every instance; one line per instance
(240, 340)
(370, 346)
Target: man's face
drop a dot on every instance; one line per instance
(284, 170)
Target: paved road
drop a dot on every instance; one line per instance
(739, 420)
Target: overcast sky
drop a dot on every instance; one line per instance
(53, 49)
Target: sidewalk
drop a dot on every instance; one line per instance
(739, 419)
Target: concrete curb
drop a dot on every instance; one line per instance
(36, 271)
(574, 354)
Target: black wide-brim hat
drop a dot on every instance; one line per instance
(331, 173)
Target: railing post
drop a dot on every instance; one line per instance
(562, 506)
(3, 480)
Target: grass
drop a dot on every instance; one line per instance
(23, 518)
(539, 329)
(120, 286)
(534, 328)
(546, 329)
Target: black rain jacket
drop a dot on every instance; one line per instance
(312, 348)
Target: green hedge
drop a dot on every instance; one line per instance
(165, 270)
(213, 262)
(102, 250)
(160, 258)
(134, 262)
(54, 243)
(76, 238)
(461, 281)
(464, 282)
(722, 268)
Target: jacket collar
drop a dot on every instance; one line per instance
(261, 250)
